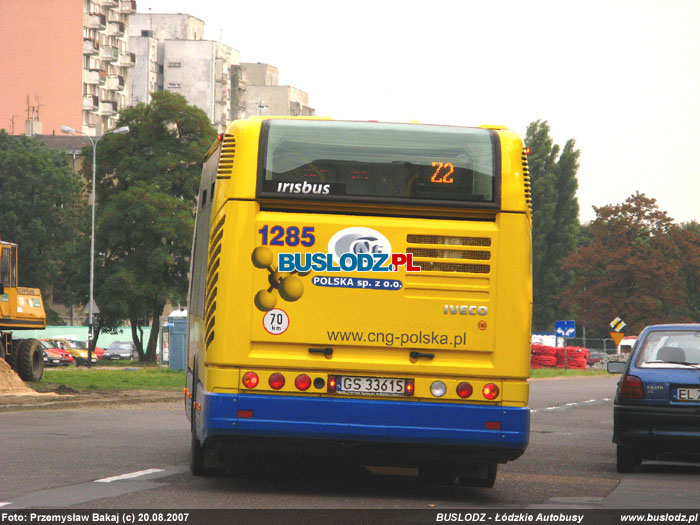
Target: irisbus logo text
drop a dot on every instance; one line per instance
(347, 262)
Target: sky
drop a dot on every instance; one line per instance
(621, 78)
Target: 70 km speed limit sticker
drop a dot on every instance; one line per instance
(276, 321)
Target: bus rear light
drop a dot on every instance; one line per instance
(245, 414)
(490, 391)
(464, 389)
(302, 382)
(631, 387)
(410, 387)
(438, 388)
(276, 381)
(250, 379)
(331, 384)
(493, 425)
(319, 382)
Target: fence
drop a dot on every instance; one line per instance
(606, 345)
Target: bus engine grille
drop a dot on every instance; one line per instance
(441, 253)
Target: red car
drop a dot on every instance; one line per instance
(54, 356)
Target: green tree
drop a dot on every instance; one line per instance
(632, 268)
(147, 183)
(43, 213)
(555, 223)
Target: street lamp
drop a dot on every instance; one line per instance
(91, 304)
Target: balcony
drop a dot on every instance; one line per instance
(127, 6)
(110, 3)
(91, 77)
(97, 21)
(115, 82)
(126, 60)
(90, 47)
(109, 53)
(115, 28)
(90, 102)
(108, 107)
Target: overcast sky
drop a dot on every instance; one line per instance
(622, 78)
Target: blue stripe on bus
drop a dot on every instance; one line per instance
(364, 419)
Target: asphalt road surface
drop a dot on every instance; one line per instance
(137, 457)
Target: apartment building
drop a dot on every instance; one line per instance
(172, 54)
(265, 97)
(64, 62)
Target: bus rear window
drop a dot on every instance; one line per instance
(367, 161)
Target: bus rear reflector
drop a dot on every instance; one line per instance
(464, 389)
(331, 384)
(302, 382)
(493, 425)
(276, 381)
(245, 414)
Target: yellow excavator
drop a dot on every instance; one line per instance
(20, 309)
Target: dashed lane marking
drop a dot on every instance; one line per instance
(570, 405)
(131, 475)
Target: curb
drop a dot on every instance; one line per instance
(61, 402)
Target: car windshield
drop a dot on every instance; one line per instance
(669, 349)
(47, 344)
(78, 344)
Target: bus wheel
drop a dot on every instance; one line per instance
(484, 477)
(437, 475)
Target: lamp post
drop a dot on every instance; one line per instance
(91, 303)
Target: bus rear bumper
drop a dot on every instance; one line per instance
(496, 432)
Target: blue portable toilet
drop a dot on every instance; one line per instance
(177, 342)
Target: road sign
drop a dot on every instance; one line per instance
(95, 309)
(565, 328)
(618, 324)
(617, 337)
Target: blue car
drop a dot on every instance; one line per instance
(657, 405)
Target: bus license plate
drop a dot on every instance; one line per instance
(383, 386)
(688, 394)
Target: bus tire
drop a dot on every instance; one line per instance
(485, 478)
(30, 360)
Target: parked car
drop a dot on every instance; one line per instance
(657, 404)
(595, 356)
(53, 355)
(75, 343)
(121, 350)
(80, 355)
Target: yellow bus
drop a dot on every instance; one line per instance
(362, 289)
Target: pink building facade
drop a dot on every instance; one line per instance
(63, 62)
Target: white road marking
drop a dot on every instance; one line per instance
(3, 503)
(571, 405)
(129, 476)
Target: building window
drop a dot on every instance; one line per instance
(174, 64)
(147, 32)
(173, 85)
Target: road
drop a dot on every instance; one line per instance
(69, 458)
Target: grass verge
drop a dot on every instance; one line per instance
(561, 372)
(97, 378)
